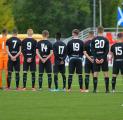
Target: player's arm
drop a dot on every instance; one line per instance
(37, 52)
(111, 52)
(106, 50)
(94, 52)
(18, 53)
(69, 49)
(65, 53)
(51, 52)
(49, 56)
(23, 50)
(7, 49)
(34, 50)
(89, 58)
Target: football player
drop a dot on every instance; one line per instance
(117, 54)
(88, 60)
(75, 52)
(60, 53)
(13, 46)
(29, 52)
(3, 56)
(44, 51)
(100, 49)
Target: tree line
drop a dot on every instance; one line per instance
(55, 15)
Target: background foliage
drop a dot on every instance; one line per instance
(55, 15)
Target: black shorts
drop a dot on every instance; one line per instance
(29, 66)
(75, 65)
(103, 66)
(59, 68)
(45, 67)
(88, 66)
(117, 67)
(14, 65)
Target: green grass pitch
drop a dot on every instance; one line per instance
(45, 105)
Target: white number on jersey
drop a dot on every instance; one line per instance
(118, 50)
(61, 49)
(76, 46)
(15, 42)
(43, 47)
(99, 43)
(29, 45)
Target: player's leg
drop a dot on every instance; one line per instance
(25, 69)
(10, 70)
(105, 70)
(79, 72)
(5, 62)
(17, 73)
(1, 69)
(33, 70)
(48, 67)
(115, 72)
(95, 77)
(56, 70)
(62, 71)
(71, 72)
(87, 75)
(41, 71)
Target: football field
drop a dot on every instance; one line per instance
(45, 105)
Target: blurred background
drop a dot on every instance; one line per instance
(57, 15)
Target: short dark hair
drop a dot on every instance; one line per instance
(58, 35)
(45, 33)
(120, 35)
(4, 31)
(100, 29)
(76, 31)
(15, 31)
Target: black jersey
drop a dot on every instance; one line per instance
(29, 48)
(44, 47)
(75, 48)
(100, 47)
(117, 50)
(87, 47)
(13, 44)
(60, 51)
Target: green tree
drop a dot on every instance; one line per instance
(54, 15)
(6, 16)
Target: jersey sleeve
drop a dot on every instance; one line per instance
(106, 49)
(51, 46)
(68, 49)
(93, 48)
(23, 49)
(7, 42)
(65, 53)
(111, 49)
(34, 50)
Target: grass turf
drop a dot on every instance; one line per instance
(45, 105)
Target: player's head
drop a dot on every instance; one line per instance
(91, 34)
(30, 32)
(120, 36)
(100, 30)
(15, 32)
(4, 32)
(75, 33)
(45, 33)
(58, 36)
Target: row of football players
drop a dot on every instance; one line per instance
(95, 50)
